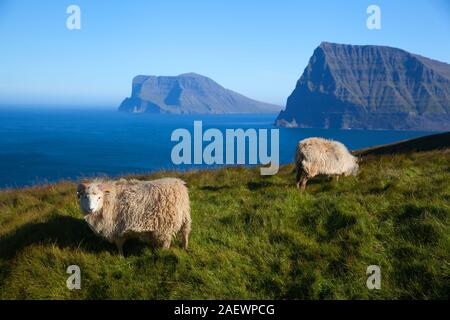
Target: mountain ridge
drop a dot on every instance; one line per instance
(369, 87)
(188, 93)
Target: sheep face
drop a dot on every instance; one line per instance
(354, 168)
(91, 197)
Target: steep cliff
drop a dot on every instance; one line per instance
(370, 87)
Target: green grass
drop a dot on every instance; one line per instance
(253, 237)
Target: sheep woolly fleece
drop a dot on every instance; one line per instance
(317, 156)
(150, 210)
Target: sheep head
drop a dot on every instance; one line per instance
(355, 166)
(92, 196)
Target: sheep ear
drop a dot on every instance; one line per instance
(105, 188)
(81, 187)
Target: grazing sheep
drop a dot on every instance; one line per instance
(153, 211)
(317, 156)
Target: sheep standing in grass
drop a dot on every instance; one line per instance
(317, 156)
(153, 211)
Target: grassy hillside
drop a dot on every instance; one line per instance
(253, 237)
(425, 143)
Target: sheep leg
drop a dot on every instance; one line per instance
(303, 183)
(302, 179)
(165, 244)
(336, 178)
(298, 177)
(297, 181)
(119, 244)
(185, 230)
(162, 240)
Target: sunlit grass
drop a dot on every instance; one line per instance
(253, 237)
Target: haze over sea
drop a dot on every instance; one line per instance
(39, 145)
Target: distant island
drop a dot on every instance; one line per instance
(188, 93)
(369, 87)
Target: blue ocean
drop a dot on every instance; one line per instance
(39, 145)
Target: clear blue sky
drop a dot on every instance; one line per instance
(256, 47)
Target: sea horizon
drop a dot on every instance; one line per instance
(41, 145)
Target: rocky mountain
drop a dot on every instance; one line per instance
(188, 93)
(370, 87)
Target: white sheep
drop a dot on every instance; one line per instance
(153, 211)
(317, 156)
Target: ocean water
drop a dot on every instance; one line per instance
(41, 145)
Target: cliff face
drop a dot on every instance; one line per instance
(188, 94)
(370, 87)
